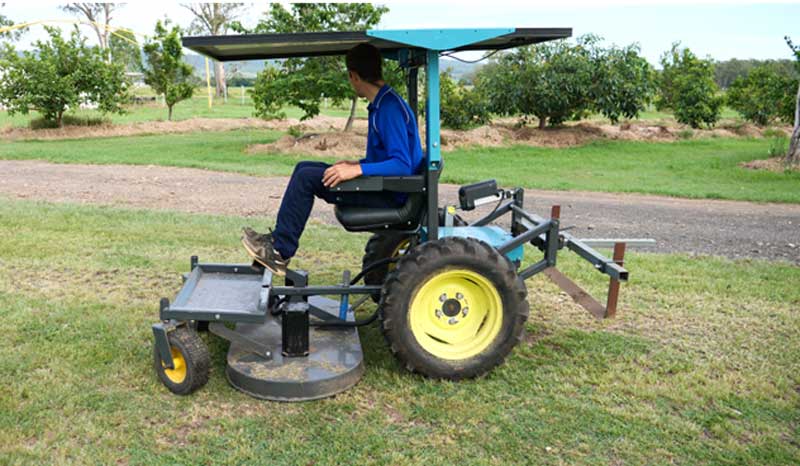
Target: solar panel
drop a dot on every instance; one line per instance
(315, 44)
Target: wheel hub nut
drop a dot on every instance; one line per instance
(452, 321)
(438, 313)
(465, 311)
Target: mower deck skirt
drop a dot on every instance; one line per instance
(334, 364)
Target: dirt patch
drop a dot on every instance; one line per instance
(775, 164)
(322, 137)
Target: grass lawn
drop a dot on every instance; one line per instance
(700, 367)
(702, 168)
(196, 107)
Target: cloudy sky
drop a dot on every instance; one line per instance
(722, 30)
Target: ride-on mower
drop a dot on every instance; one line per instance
(451, 295)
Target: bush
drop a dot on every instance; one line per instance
(462, 108)
(687, 87)
(550, 81)
(68, 120)
(765, 95)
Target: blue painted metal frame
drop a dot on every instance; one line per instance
(439, 39)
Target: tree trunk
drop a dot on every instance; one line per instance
(60, 119)
(542, 122)
(169, 114)
(793, 156)
(219, 78)
(349, 125)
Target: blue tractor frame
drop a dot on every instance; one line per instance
(215, 294)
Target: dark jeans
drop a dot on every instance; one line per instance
(298, 199)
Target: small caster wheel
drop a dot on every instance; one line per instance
(191, 360)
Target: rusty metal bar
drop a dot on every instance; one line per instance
(613, 286)
(578, 294)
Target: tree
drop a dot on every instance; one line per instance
(93, 12)
(793, 156)
(125, 49)
(58, 75)
(766, 94)
(166, 72)
(462, 108)
(304, 82)
(623, 82)
(5, 22)
(687, 87)
(726, 72)
(214, 19)
(550, 81)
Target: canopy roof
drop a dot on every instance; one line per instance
(314, 44)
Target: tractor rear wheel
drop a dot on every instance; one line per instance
(191, 360)
(453, 308)
(387, 244)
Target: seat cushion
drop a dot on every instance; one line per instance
(405, 217)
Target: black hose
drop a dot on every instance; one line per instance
(371, 267)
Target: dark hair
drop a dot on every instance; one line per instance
(365, 59)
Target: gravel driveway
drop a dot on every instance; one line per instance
(727, 228)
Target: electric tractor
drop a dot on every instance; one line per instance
(450, 295)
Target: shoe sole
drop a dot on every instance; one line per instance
(255, 257)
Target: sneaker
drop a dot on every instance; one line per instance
(256, 238)
(260, 248)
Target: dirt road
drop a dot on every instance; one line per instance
(726, 228)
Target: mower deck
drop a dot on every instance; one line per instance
(257, 363)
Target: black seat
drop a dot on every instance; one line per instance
(405, 217)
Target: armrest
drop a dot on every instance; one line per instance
(400, 184)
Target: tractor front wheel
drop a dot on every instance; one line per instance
(453, 308)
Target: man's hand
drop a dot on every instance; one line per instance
(347, 162)
(339, 172)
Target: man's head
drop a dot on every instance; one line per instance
(364, 68)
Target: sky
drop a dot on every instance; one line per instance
(721, 30)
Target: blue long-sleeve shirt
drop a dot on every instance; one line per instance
(393, 146)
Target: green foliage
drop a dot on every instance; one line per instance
(550, 81)
(166, 72)
(461, 108)
(623, 83)
(60, 74)
(778, 146)
(126, 50)
(765, 95)
(687, 87)
(558, 81)
(68, 120)
(305, 82)
(726, 72)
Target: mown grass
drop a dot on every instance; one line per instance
(196, 107)
(700, 367)
(702, 168)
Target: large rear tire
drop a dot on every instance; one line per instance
(387, 244)
(453, 308)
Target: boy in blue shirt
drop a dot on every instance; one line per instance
(393, 149)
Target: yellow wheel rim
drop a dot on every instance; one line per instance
(399, 250)
(456, 314)
(177, 375)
